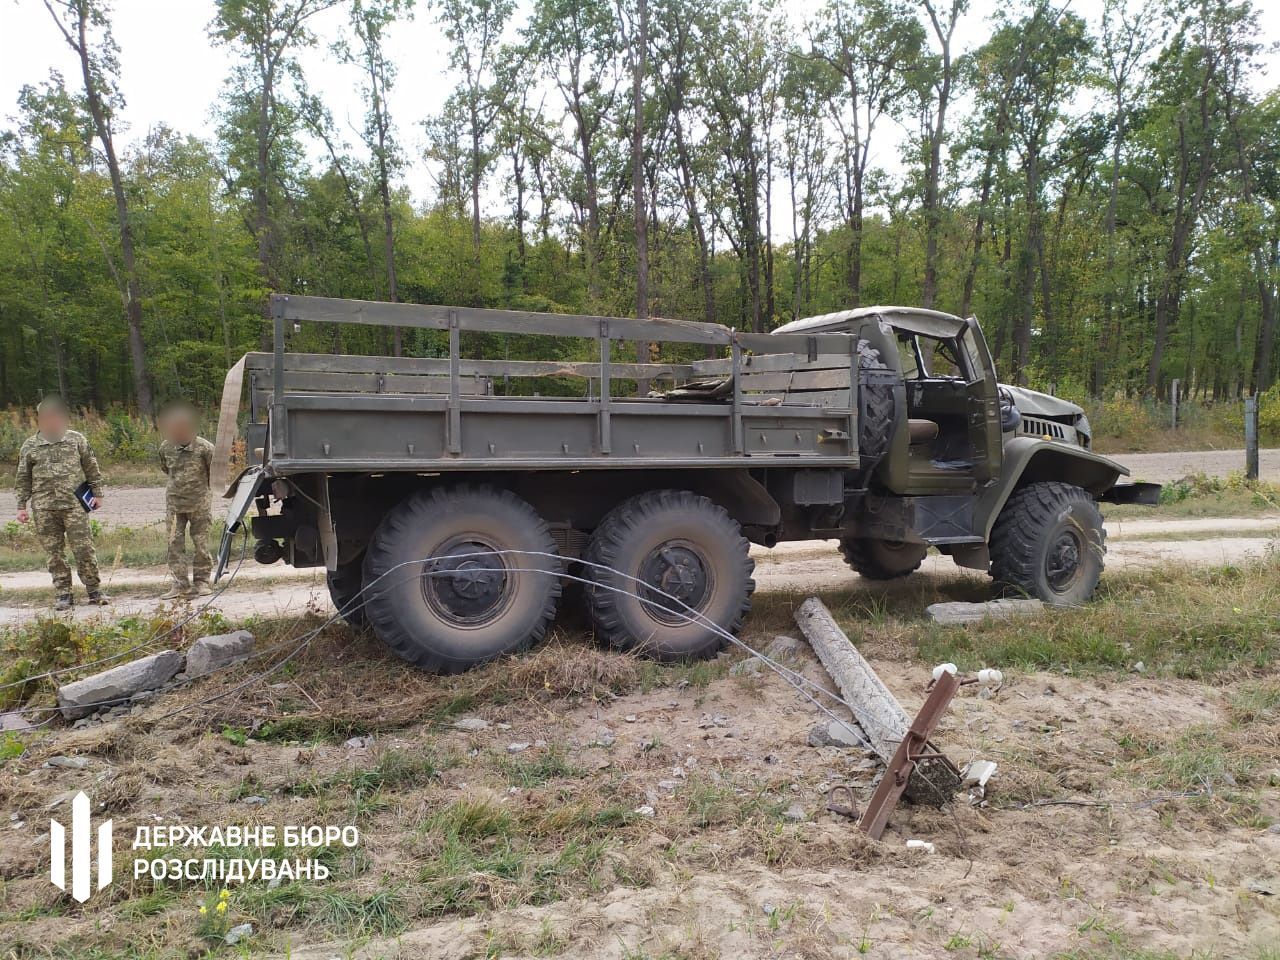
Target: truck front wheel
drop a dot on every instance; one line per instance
(1048, 542)
(664, 566)
(457, 576)
(882, 559)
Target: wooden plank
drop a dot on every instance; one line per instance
(587, 369)
(400, 383)
(831, 399)
(468, 388)
(798, 380)
(435, 317)
(765, 362)
(798, 343)
(371, 383)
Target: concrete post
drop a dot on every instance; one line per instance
(1251, 438)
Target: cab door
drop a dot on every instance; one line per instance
(982, 404)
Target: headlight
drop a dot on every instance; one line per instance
(1085, 431)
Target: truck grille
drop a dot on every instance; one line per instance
(1038, 427)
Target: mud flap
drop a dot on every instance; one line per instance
(1143, 493)
(246, 487)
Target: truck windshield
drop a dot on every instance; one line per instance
(926, 358)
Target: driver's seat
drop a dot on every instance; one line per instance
(921, 431)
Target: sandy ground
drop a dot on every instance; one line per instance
(790, 567)
(1080, 850)
(139, 506)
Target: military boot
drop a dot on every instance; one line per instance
(62, 602)
(98, 598)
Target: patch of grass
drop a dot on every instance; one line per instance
(465, 876)
(712, 802)
(383, 913)
(1256, 702)
(1199, 495)
(310, 729)
(1196, 759)
(116, 546)
(549, 942)
(1177, 621)
(393, 769)
(11, 747)
(535, 771)
(150, 904)
(470, 818)
(50, 643)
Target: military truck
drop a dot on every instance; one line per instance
(452, 499)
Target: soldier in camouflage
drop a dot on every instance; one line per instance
(186, 458)
(51, 465)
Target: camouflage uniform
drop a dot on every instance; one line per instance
(187, 505)
(48, 473)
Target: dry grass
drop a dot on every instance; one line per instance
(511, 849)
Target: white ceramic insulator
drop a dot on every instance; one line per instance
(990, 678)
(942, 668)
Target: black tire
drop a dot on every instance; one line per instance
(680, 543)
(345, 585)
(458, 609)
(882, 559)
(875, 427)
(1048, 542)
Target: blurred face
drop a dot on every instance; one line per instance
(52, 423)
(178, 426)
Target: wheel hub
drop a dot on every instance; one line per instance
(1062, 562)
(675, 581)
(466, 583)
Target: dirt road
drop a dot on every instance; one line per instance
(1164, 467)
(140, 506)
(813, 566)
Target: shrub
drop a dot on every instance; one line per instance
(1269, 415)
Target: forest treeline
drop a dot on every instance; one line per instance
(1104, 195)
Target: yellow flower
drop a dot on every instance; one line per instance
(222, 906)
(203, 909)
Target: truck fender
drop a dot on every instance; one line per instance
(1030, 460)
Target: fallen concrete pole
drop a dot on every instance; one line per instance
(875, 709)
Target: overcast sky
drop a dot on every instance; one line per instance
(172, 74)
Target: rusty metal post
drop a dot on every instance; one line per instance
(914, 748)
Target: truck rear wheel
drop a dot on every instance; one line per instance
(1048, 542)
(457, 576)
(882, 559)
(664, 557)
(345, 585)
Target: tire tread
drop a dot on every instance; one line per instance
(614, 531)
(1015, 537)
(404, 517)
